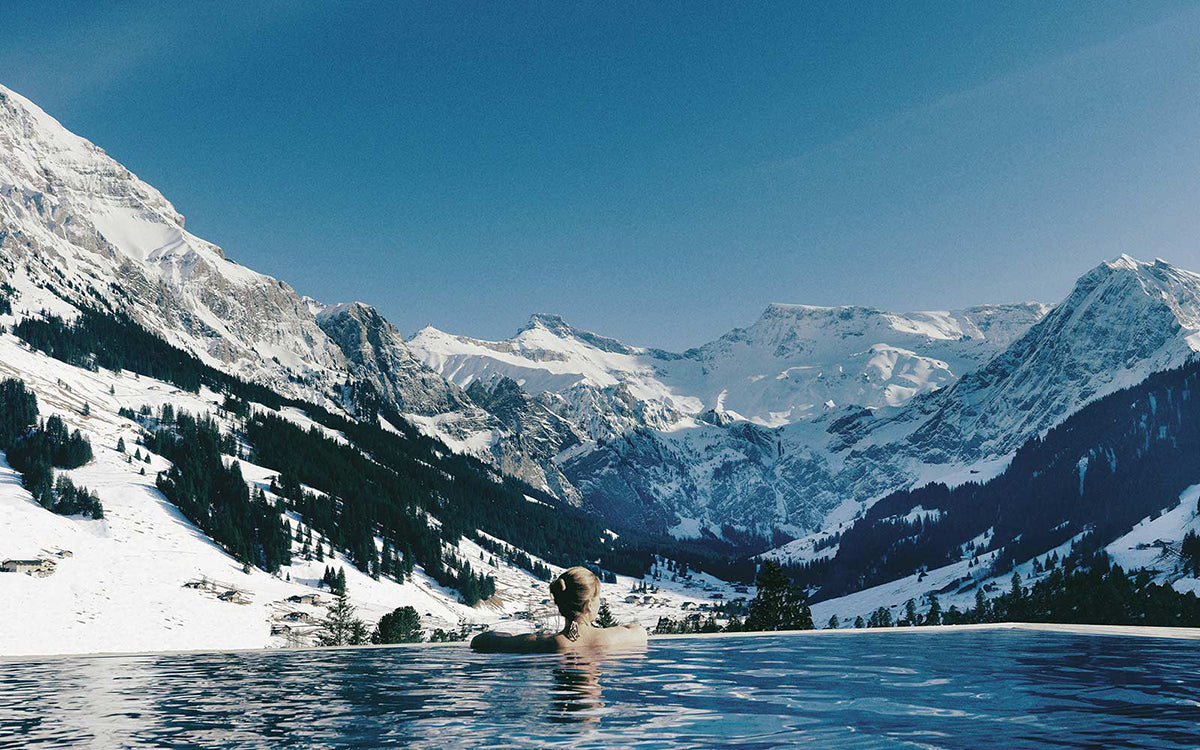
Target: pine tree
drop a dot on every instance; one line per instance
(121, 444)
(777, 605)
(934, 617)
(341, 627)
(981, 605)
(604, 618)
(834, 623)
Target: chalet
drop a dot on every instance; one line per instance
(310, 599)
(280, 629)
(297, 617)
(194, 585)
(233, 595)
(717, 596)
(742, 590)
(648, 599)
(688, 605)
(632, 599)
(36, 568)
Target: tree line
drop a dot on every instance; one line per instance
(36, 448)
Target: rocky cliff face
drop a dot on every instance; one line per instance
(376, 354)
(76, 227)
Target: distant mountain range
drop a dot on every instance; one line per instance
(803, 417)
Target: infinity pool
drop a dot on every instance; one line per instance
(952, 690)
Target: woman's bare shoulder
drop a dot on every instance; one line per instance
(621, 635)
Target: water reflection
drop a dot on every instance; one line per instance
(576, 696)
(968, 690)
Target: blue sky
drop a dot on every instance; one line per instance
(655, 172)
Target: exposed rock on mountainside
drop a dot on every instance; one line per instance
(76, 226)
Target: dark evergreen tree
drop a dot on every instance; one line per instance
(777, 605)
(604, 618)
(340, 627)
(401, 625)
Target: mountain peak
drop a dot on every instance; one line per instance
(1124, 261)
(555, 325)
(550, 322)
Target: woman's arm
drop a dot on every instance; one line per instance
(522, 643)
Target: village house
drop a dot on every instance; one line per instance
(297, 617)
(310, 599)
(632, 599)
(36, 568)
(235, 596)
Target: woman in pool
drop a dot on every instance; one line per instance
(577, 594)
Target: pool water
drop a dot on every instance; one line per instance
(997, 689)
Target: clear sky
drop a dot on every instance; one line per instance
(655, 172)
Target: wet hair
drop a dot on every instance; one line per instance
(577, 594)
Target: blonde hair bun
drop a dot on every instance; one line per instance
(577, 594)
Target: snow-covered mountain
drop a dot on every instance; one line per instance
(76, 227)
(677, 440)
(796, 422)
(1124, 320)
(794, 362)
(811, 413)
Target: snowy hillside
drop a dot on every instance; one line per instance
(76, 226)
(1124, 320)
(120, 583)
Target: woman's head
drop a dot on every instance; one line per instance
(577, 594)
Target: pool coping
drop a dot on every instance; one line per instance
(1125, 631)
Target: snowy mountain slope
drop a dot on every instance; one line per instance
(735, 431)
(789, 365)
(122, 586)
(78, 227)
(376, 354)
(1123, 321)
(797, 360)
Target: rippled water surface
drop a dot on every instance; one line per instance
(960, 690)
